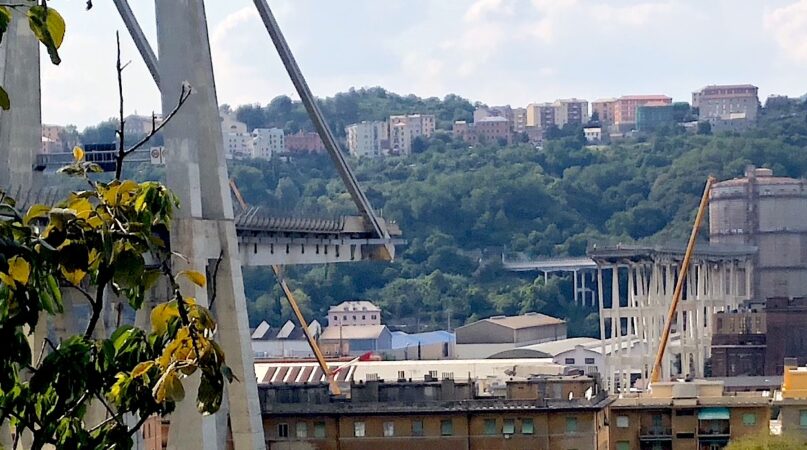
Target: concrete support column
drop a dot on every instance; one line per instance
(204, 230)
(21, 126)
(601, 311)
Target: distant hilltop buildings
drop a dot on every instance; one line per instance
(732, 107)
(240, 143)
(395, 136)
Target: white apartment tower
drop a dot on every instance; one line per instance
(267, 142)
(364, 139)
(237, 142)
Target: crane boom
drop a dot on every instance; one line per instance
(655, 375)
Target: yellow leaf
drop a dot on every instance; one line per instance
(35, 212)
(74, 277)
(56, 26)
(161, 314)
(82, 207)
(19, 270)
(195, 277)
(111, 195)
(169, 388)
(78, 153)
(142, 368)
(5, 279)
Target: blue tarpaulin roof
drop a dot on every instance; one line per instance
(714, 414)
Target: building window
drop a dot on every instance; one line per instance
(417, 428)
(509, 426)
(363, 317)
(389, 429)
(319, 430)
(622, 421)
(589, 360)
(571, 424)
(358, 429)
(302, 430)
(283, 430)
(373, 317)
(749, 419)
(569, 361)
(527, 426)
(447, 427)
(803, 418)
(623, 445)
(335, 318)
(490, 427)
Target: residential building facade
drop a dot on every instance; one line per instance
(693, 415)
(721, 101)
(364, 139)
(436, 413)
(404, 129)
(519, 121)
(238, 143)
(488, 130)
(739, 343)
(304, 141)
(267, 142)
(605, 109)
(570, 111)
(626, 106)
(354, 312)
(653, 117)
(541, 115)
(136, 125)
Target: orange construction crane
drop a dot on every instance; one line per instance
(655, 375)
(278, 270)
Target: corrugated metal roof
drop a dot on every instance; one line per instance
(518, 322)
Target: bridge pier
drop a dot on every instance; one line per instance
(642, 284)
(204, 229)
(21, 126)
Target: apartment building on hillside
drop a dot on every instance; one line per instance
(626, 106)
(404, 129)
(365, 139)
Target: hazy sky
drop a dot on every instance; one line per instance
(494, 51)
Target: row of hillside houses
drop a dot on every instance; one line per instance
(724, 107)
(263, 143)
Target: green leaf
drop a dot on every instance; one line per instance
(120, 337)
(55, 290)
(129, 268)
(5, 102)
(209, 396)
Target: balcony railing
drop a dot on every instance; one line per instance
(655, 433)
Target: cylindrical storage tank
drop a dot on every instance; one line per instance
(769, 213)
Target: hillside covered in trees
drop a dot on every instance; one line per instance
(459, 207)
